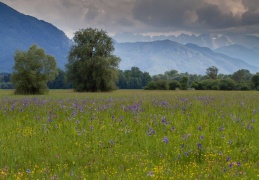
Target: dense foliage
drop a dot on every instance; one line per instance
(133, 79)
(5, 81)
(239, 80)
(32, 71)
(91, 64)
(60, 81)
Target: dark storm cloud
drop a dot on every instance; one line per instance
(198, 15)
(125, 22)
(210, 16)
(145, 16)
(252, 5)
(164, 12)
(184, 14)
(251, 16)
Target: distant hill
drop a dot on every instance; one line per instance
(249, 55)
(159, 56)
(19, 32)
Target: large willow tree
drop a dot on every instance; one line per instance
(91, 64)
(32, 70)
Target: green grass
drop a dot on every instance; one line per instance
(130, 134)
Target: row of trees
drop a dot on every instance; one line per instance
(239, 80)
(170, 80)
(92, 67)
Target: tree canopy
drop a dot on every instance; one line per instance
(212, 72)
(91, 64)
(32, 71)
(133, 79)
(59, 82)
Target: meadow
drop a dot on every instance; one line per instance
(127, 134)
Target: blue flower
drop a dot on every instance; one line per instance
(165, 139)
(202, 137)
(199, 146)
(228, 158)
(164, 121)
(111, 142)
(230, 165)
(151, 131)
(150, 173)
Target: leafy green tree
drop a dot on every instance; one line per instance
(59, 82)
(122, 83)
(32, 71)
(194, 78)
(227, 84)
(134, 83)
(91, 64)
(197, 85)
(255, 80)
(146, 79)
(5, 81)
(241, 76)
(210, 84)
(162, 85)
(151, 86)
(173, 85)
(184, 83)
(171, 74)
(133, 79)
(212, 72)
(157, 85)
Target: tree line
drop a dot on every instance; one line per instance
(92, 67)
(134, 78)
(171, 80)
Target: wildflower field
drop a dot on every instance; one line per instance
(130, 135)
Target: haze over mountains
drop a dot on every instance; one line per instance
(212, 41)
(159, 56)
(185, 53)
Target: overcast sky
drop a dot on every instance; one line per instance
(145, 16)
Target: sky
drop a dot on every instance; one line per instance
(149, 17)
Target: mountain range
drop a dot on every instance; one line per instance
(159, 56)
(184, 53)
(19, 32)
(212, 41)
